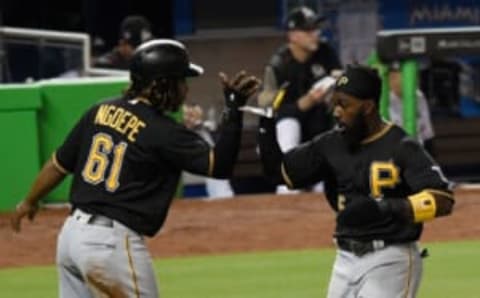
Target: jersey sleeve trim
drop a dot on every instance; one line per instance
(440, 192)
(58, 165)
(211, 162)
(286, 177)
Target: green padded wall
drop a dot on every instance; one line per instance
(19, 150)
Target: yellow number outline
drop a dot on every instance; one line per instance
(98, 160)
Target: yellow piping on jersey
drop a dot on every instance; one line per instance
(279, 99)
(410, 273)
(379, 134)
(58, 165)
(286, 177)
(440, 192)
(132, 269)
(211, 162)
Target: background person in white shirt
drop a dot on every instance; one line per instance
(425, 132)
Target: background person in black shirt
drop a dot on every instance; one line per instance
(134, 30)
(296, 67)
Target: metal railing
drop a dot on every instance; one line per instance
(49, 36)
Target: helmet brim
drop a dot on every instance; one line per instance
(194, 70)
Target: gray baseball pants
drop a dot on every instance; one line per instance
(99, 257)
(391, 272)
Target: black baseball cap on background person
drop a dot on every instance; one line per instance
(303, 18)
(395, 66)
(135, 30)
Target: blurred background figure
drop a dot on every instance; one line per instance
(193, 118)
(134, 30)
(425, 132)
(305, 59)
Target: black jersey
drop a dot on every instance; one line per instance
(127, 159)
(389, 166)
(301, 77)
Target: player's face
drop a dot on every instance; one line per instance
(305, 39)
(349, 113)
(395, 81)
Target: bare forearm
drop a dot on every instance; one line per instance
(305, 103)
(47, 179)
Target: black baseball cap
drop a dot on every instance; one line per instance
(135, 30)
(394, 66)
(360, 81)
(303, 18)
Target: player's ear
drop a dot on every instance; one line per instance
(368, 107)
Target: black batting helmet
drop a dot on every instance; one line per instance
(162, 58)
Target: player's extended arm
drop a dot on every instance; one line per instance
(270, 154)
(225, 152)
(49, 177)
(305, 163)
(423, 206)
(420, 207)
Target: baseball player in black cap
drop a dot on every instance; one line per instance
(295, 68)
(126, 156)
(134, 30)
(382, 184)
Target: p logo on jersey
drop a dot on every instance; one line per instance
(343, 80)
(382, 175)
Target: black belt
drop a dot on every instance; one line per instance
(360, 248)
(91, 219)
(101, 220)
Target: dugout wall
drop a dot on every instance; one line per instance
(34, 119)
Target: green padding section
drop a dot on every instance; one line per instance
(19, 152)
(374, 61)
(18, 155)
(409, 88)
(19, 97)
(63, 104)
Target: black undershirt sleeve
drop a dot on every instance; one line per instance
(227, 145)
(300, 167)
(270, 154)
(188, 151)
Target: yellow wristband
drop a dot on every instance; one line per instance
(423, 205)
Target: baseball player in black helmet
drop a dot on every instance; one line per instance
(382, 184)
(126, 156)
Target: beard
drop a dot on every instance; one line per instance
(356, 131)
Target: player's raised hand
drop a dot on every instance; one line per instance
(322, 87)
(23, 209)
(269, 89)
(192, 116)
(238, 89)
(271, 95)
